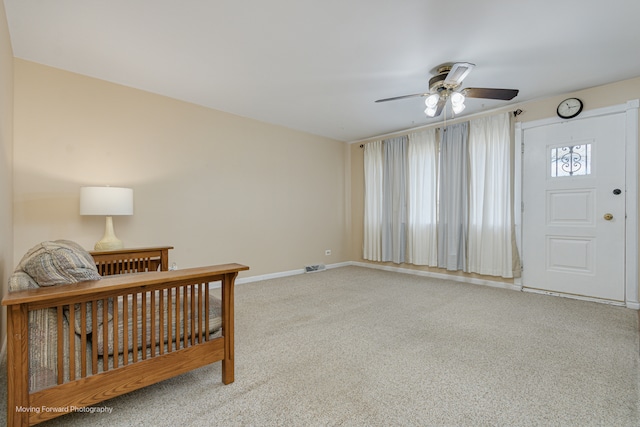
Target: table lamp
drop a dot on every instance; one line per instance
(108, 201)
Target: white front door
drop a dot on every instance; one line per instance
(573, 193)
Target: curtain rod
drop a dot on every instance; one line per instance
(515, 113)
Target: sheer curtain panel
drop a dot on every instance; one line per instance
(373, 194)
(490, 220)
(422, 196)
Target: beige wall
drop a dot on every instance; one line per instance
(602, 96)
(218, 187)
(6, 167)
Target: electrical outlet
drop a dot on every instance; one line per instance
(174, 266)
(327, 252)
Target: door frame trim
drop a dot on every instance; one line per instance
(630, 108)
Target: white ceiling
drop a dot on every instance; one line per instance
(318, 66)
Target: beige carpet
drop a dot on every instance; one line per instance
(361, 347)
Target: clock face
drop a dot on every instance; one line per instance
(569, 108)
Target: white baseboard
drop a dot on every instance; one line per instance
(463, 279)
(285, 273)
(340, 264)
(278, 275)
(269, 276)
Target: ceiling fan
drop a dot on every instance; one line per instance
(445, 84)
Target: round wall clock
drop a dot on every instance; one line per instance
(569, 108)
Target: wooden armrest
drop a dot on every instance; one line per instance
(77, 292)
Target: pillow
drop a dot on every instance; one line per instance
(59, 262)
(62, 262)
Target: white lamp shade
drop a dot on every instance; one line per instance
(107, 201)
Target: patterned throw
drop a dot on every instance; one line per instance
(51, 263)
(59, 262)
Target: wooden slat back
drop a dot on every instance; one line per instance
(134, 260)
(159, 321)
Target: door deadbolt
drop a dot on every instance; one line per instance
(617, 191)
(608, 216)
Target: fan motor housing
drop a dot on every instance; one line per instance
(436, 83)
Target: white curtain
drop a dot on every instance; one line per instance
(490, 220)
(394, 207)
(422, 180)
(446, 204)
(453, 197)
(373, 194)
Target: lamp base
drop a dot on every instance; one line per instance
(109, 241)
(108, 246)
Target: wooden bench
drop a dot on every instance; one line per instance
(147, 358)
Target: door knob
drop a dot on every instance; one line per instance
(608, 216)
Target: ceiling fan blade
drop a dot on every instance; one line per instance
(403, 97)
(490, 93)
(458, 72)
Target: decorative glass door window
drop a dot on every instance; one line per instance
(571, 160)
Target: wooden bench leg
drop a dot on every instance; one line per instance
(227, 327)
(18, 365)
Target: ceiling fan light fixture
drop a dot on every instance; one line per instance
(457, 108)
(457, 99)
(432, 101)
(431, 112)
(457, 102)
